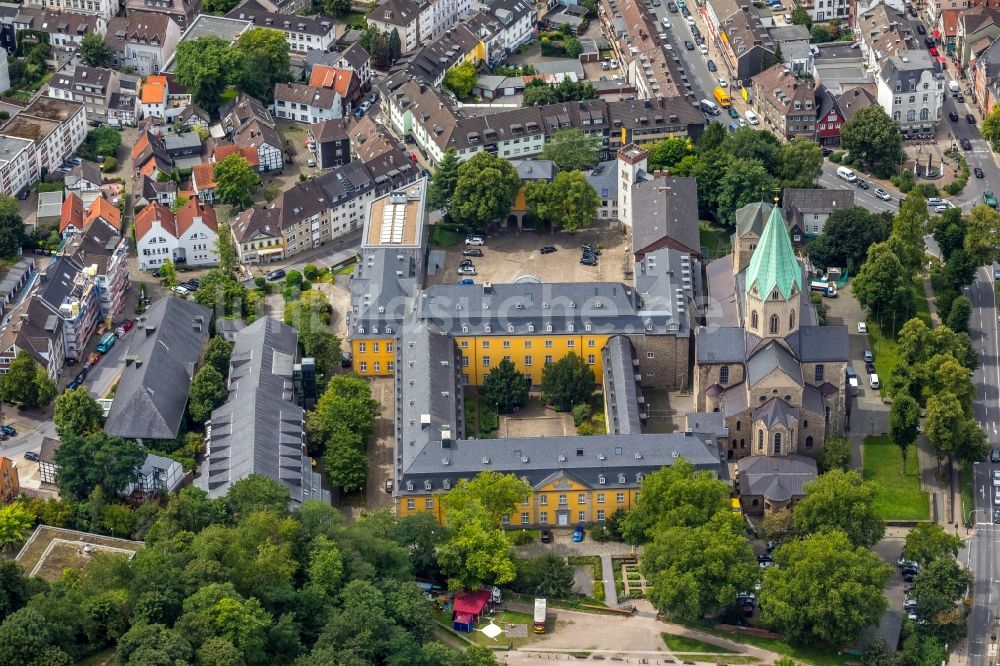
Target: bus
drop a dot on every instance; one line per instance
(106, 342)
(722, 97)
(539, 623)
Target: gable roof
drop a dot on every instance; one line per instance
(249, 154)
(669, 215)
(773, 264)
(203, 176)
(776, 478)
(154, 212)
(164, 351)
(103, 209)
(773, 356)
(72, 213)
(775, 412)
(191, 211)
(752, 218)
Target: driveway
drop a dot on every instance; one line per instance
(109, 368)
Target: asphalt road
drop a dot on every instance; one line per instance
(693, 63)
(983, 552)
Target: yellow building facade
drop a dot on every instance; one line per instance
(529, 353)
(374, 357)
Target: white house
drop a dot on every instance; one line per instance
(307, 104)
(143, 41)
(910, 88)
(303, 33)
(189, 237)
(103, 8)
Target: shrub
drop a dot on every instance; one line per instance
(310, 272)
(601, 533)
(581, 413)
(522, 538)
(926, 190)
(959, 183)
(260, 282)
(110, 164)
(836, 156)
(599, 590)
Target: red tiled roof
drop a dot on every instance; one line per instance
(71, 214)
(203, 176)
(949, 18)
(151, 213)
(248, 153)
(192, 209)
(102, 208)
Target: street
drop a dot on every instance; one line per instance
(983, 556)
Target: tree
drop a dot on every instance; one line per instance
(958, 316)
(420, 534)
(26, 634)
(836, 454)
(461, 79)
(926, 542)
(667, 152)
(937, 590)
(777, 525)
(27, 383)
(505, 387)
(567, 382)
(753, 145)
(76, 413)
(697, 571)
(779, 57)
(949, 231)
(168, 273)
(982, 235)
(572, 47)
(205, 66)
(256, 493)
(991, 129)
(800, 162)
(485, 189)
(951, 432)
(801, 16)
(909, 227)
(345, 461)
(236, 181)
(847, 235)
(842, 501)
(820, 35)
(904, 419)
(443, 182)
(100, 141)
(539, 93)
(477, 551)
(87, 461)
(264, 61)
(568, 202)
(675, 496)
(224, 294)
(15, 522)
(547, 576)
(346, 403)
(824, 588)
(883, 285)
(93, 50)
(217, 354)
(119, 520)
(743, 181)
(497, 493)
(226, 249)
(872, 136)
(572, 150)
(338, 7)
(11, 227)
(208, 391)
(219, 7)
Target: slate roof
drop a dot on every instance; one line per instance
(773, 264)
(160, 363)
(776, 478)
(534, 169)
(665, 208)
(775, 412)
(260, 429)
(820, 343)
(720, 345)
(621, 390)
(752, 218)
(772, 356)
(95, 245)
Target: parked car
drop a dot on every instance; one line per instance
(672, 6)
(711, 65)
(921, 30)
(689, 45)
(23, 194)
(882, 194)
(733, 113)
(862, 327)
(952, 116)
(181, 290)
(869, 357)
(276, 274)
(588, 261)
(578, 534)
(8, 430)
(466, 270)
(467, 281)
(928, 42)
(591, 247)
(546, 536)
(310, 162)
(971, 119)
(995, 456)
(472, 252)
(475, 240)
(966, 144)
(548, 249)
(31, 455)
(933, 51)
(996, 517)
(862, 184)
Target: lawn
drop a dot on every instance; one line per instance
(354, 19)
(501, 619)
(965, 487)
(899, 496)
(714, 239)
(685, 644)
(443, 237)
(808, 654)
(346, 269)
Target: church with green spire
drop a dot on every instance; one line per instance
(772, 379)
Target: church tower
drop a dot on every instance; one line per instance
(773, 283)
(631, 164)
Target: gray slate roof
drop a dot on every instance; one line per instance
(260, 429)
(796, 201)
(776, 478)
(165, 349)
(775, 412)
(773, 356)
(720, 345)
(821, 343)
(665, 208)
(752, 218)
(621, 390)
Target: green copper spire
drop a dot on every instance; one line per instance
(773, 264)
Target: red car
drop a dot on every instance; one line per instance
(129, 323)
(933, 51)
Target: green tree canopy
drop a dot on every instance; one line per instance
(938, 590)
(236, 181)
(872, 136)
(572, 150)
(960, 313)
(205, 66)
(800, 162)
(443, 182)
(991, 129)
(824, 588)
(496, 492)
(477, 552)
(836, 453)
(100, 141)
(847, 235)
(222, 293)
(76, 413)
(27, 383)
(567, 382)
(11, 227)
(263, 58)
(505, 387)
(485, 189)
(926, 542)
(346, 403)
(15, 523)
(568, 202)
(667, 152)
(217, 354)
(86, 461)
(93, 50)
(882, 286)
(548, 576)
(461, 79)
(842, 501)
(539, 93)
(208, 391)
(982, 234)
(904, 419)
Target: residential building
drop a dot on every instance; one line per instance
(106, 9)
(654, 72)
(66, 288)
(260, 429)
(433, 60)
(189, 237)
(55, 127)
(19, 166)
(883, 32)
(854, 100)
(47, 460)
(86, 177)
(161, 192)
(90, 86)
(14, 282)
(911, 90)
(123, 109)
(829, 117)
(745, 42)
(307, 104)
(157, 475)
(65, 30)
(358, 60)
(249, 124)
(182, 146)
(303, 33)
(149, 156)
(344, 81)
(807, 210)
(369, 139)
(142, 41)
(32, 328)
(785, 103)
(984, 73)
(511, 24)
(978, 27)
(329, 140)
(226, 29)
(828, 10)
(163, 357)
(10, 487)
(203, 182)
(839, 67)
(412, 19)
(182, 12)
(777, 377)
(103, 251)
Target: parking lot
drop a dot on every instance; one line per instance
(506, 258)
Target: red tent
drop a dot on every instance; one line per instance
(463, 622)
(472, 603)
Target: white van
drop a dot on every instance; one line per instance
(752, 118)
(873, 380)
(953, 87)
(709, 106)
(846, 174)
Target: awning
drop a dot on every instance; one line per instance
(936, 33)
(270, 250)
(941, 60)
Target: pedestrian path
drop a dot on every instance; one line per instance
(608, 574)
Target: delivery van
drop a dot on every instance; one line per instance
(709, 106)
(846, 174)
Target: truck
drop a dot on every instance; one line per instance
(826, 287)
(722, 97)
(106, 342)
(539, 620)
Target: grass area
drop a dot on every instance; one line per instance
(882, 335)
(685, 644)
(444, 238)
(501, 619)
(715, 239)
(808, 654)
(346, 269)
(354, 19)
(899, 496)
(480, 420)
(965, 487)
(99, 659)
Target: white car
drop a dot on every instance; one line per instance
(882, 194)
(703, 49)
(475, 240)
(666, 22)
(996, 498)
(996, 477)
(723, 83)
(862, 327)
(690, 20)
(181, 290)
(466, 270)
(311, 162)
(941, 208)
(743, 122)
(935, 201)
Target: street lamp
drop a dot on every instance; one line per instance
(872, 423)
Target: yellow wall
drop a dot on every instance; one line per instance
(520, 201)
(377, 354)
(519, 347)
(544, 503)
